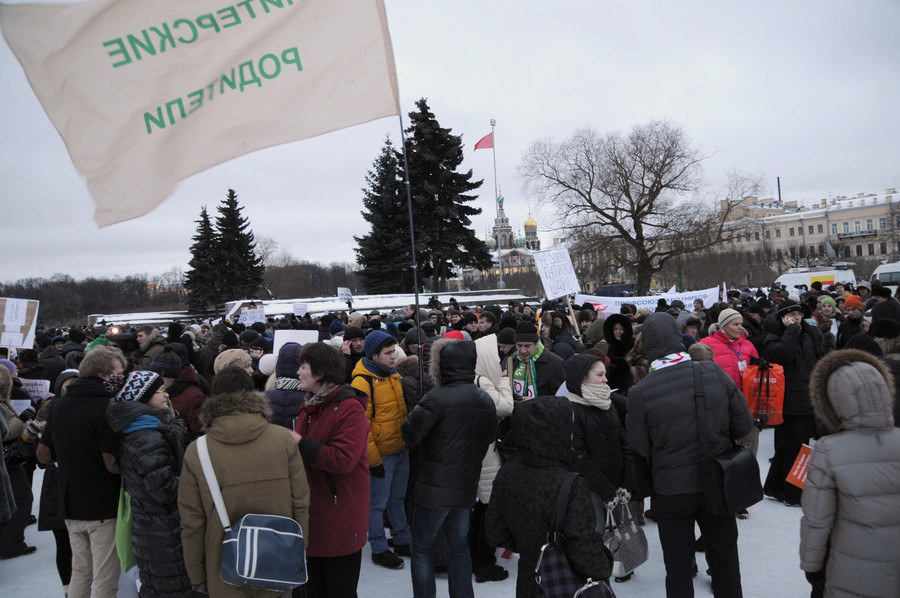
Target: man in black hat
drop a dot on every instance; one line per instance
(352, 348)
(536, 370)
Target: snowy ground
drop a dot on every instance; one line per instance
(768, 548)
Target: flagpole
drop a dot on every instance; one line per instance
(412, 246)
(500, 283)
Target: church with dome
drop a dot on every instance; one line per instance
(515, 254)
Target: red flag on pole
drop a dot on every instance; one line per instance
(486, 142)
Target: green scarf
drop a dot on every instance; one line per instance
(525, 376)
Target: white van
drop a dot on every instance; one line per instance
(888, 274)
(806, 276)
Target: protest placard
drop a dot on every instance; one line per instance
(797, 475)
(19, 322)
(293, 336)
(556, 271)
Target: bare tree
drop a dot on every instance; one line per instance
(639, 188)
(266, 247)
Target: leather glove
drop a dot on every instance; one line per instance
(377, 471)
(27, 414)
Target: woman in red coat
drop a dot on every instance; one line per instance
(333, 434)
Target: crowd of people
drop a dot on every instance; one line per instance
(442, 434)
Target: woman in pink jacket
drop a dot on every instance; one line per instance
(732, 352)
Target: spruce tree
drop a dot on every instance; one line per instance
(239, 271)
(441, 199)
(384, 253)
(200, 280)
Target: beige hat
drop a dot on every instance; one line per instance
(229, 357)
(727, 316)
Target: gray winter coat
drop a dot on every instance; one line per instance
(851, 500)
(662, 414)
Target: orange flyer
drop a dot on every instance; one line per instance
(797, 477)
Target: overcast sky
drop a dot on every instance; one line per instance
(804, 90)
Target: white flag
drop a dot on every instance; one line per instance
(145, 94)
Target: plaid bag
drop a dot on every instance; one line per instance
(553, 572)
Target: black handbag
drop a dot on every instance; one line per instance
(731, 481)
(553, 572)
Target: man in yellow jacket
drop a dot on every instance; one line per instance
(375, 375)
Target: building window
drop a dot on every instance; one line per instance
(857, 226)
(820, 229)
(778, 233)
(778, 254)
(811, 228)
(756, 236)
(871, 248)
(859, 251)
(834, 228)
(882, 223)
(846, 228)
(882, 249)
(812, 251)
(870, 225)
(792, 251)
(790, 232)
(821, 251)
(846, 251)
(767, 235)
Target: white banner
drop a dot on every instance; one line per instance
(251, 316)
(611, 305)
(344, 294)
(145, 94)
(300, 309)
(556, 271)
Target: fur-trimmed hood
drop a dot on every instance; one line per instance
(234, 403)
(851, 389)
(461, 365)
(408, 366)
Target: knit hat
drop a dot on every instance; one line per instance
(526, 333)
(180, 349)
(883, 328)
(167, 363)
(577, 368)
(335, 327)
(788, 307)
(865, 284)
(260, 343)
(139, 386)
(267, 364)
(76, 335)
(288, 360)
(374, 341)
(866, 343)
(352, 332)
(506, 336)
(853, 301)
(9, 365)
(230, 339)
(248, 336)
(826, 300)
(231, 357)
(880, 291)
(414, 336)
(456, 335)
(726, 316)
(886, 310)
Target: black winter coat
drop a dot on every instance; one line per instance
(797, 349)
(525, 491)
(452, 428)
(151, 460)
(662, 413)
(602, 455)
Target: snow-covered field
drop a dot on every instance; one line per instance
(768, 549)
